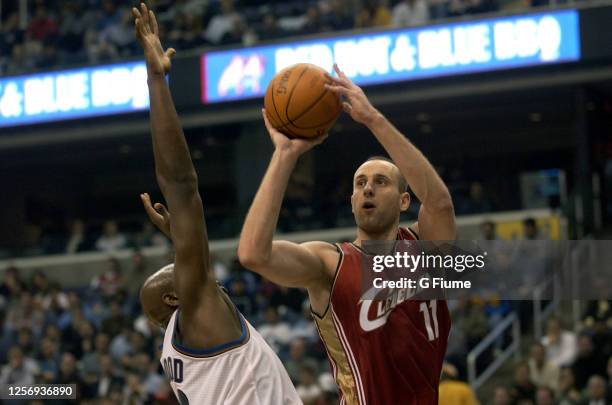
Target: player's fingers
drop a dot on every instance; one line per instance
(161, 208)
(341, 74)
(154, 25)
(145, 17)
(265, 117)
(170, 52)
(335, 81)
(146, 202)
(339, 90)
(347, 107)
(135, 12)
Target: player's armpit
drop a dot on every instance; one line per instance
(291, 264)
(438, 223)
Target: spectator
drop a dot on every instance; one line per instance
(244, 301)
(304, 327)
(545, 396)
(237, 33)
(110, 15)
(138, 275)
(111, 239)
(42, 26)
(336, 17)
(477, 202)
(108, 380)
(116, 320)
(74, 23)
(274, 331)
(307, 388)
(298, 359)
(25, 341)
(560, 344)
(25, 313)
(48, 59)
(77, 240)
(150, 236)
(602, 336)
(501, 396)
(151, 380)
(110, 282)
(530, 229)
(12, 285)
(48, 360)
(120, 33)
(287, 299)
(121, 346)
(596, 392)
(90, 363)
(452, 390)
(269, 29)
(475, 323)
(39, 285)
(488, 230)
(587, 362)
(68, 373)
(133, 391)
(523, 389)
(221, 24)
(568, 394)
(542, 372)
(313, 23)
(373, 14)
(408, 13)
(19, 370)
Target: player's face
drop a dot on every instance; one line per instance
(377, 201)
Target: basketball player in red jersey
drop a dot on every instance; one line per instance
(380, 355)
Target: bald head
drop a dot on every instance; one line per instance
(158, 297)
(402, 185)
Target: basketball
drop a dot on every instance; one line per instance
(298, 104)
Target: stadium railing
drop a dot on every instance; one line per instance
(510, 323)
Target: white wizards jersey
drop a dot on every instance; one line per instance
(245, 371)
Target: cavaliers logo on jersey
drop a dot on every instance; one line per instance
(376, 305)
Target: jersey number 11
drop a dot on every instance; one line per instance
(431, 333)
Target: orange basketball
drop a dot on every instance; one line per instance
(298, 105)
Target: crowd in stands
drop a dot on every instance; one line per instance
(566, 368)
(69, 32)
(96, 336)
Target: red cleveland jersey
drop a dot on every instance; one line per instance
(387, 351)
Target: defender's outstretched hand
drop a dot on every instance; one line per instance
(158, 214)
(356, 103)
(147, 32)
(283, 143)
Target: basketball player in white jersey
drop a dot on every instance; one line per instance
(211, 354)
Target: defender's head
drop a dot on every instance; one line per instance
(158, 297)
(379, 195)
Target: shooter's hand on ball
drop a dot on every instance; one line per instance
(355, 103)
(296, 146)
(158, 214)
(147, 32)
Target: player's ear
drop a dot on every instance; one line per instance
(352, 209)
(170, 299)
(405, 201)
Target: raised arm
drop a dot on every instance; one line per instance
(285, 263)
(177, 179)
(437, 215)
